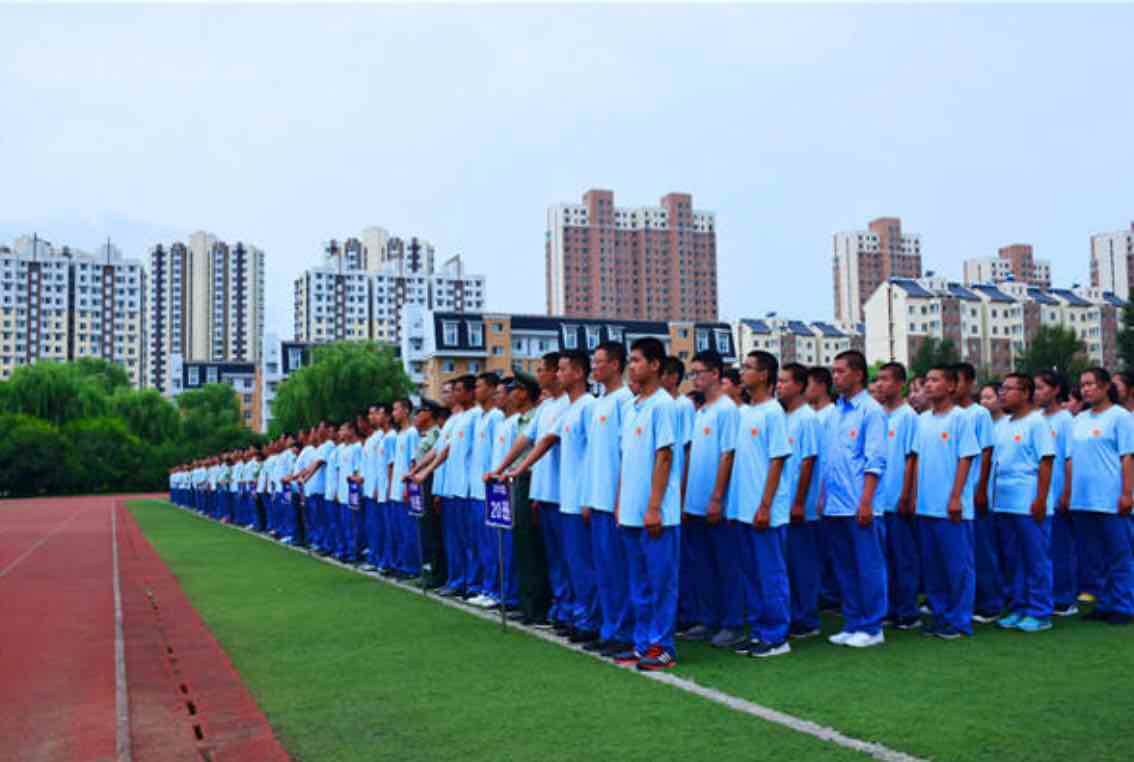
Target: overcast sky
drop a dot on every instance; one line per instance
(286, 127)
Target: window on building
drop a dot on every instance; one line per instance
(570, 336)
(702, 339)
(448, 366)
(476, 333)
(592, 336)
(194, 377)
(211, 374)
(449, 333)
(722, 341)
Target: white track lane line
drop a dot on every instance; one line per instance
(122, 701)
(798, 724)
(38, 543)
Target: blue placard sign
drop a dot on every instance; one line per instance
(355, 490)
(498, 505)
(416, 499)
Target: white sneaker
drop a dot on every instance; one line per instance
(840, 638)
(481, 601)
(862, 640)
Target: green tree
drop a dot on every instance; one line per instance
(110, 376)
(1126, 340)
(933, 352)
(34, 457)
(56, 392)
(107, 457)
(1054, 347)
(342, 380)
(147, 414)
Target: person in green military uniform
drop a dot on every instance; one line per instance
(428, 420)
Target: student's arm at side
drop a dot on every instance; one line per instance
(1126, 500)
(724, 473)
(798, 512)
(980, 496)
(763, 518)
(1039, 505)
(956, 511)
(685, 473)
(659, 480)
(1064, 503)
(907, 501)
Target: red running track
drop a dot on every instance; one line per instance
(63, 685)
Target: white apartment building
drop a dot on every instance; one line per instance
(65, 304)
(863, 259)
(364, 284)
(1112, 262)
(813, 343)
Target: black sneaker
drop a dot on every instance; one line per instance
(802, 632)
(1094, 615)
(539, 624)
(908, 622)
(517, 616)
(582, 636)
(595, 646)
(613, 648)
(746, 647)
(763, 650)
(562, 628)
(929, 629)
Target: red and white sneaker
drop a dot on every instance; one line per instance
(656, 660)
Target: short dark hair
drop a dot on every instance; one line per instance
(381, 406)
(489, 378)
(468, 381)
(732, 373)
(767, 362)
(949, 371)
(616, 351)
(965, 370)
(821, 376)
(580, 359)
(855, 360)
(994, 386)
(551, 359)
(674, 366)
(895, 369)
(405, 403)
(651, 349)
(1054, 379)
(1026, 380)
(797, 371)
(711, 359)
(530, 387)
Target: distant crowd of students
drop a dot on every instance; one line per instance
(732, 514)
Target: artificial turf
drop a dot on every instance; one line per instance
(348, 668)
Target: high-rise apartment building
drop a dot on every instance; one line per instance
(206, 305)
(648, 263)
(864, 259)
(1112, 262)
(64, 304)
(363, 284)
(1014, 262)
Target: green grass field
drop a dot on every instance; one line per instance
(347, 668)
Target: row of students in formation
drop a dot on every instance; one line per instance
(733, 514)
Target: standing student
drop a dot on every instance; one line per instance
(1022, 465)
(649, 511)
(350, 494)
(483, 539)
(1102, 483)
(989, 399)
(314, 495)
(673, 373)
(731, 386)
(710, 549)
(763, 508)
(426, 421)
(991, 584)
(374, 486)
(903, 570)
(819, 395)
(527, 545)
(804, 437)
(263, 496)
(451, 509)
(604, 461)
(944, 453)
(856, 440)
(1123, 385)
(1049, 398)
(407, 565)
(568, 435)
(329, 521)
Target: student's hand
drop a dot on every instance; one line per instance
(955, 510)
(1039, 510)
(903, 506)
(1125, 504)
(515, 473)
(1063, 504)
(490, 477)
(417, 478)
(980, 502)
(865, 515)
(587, 516)
(652, 522)
(437, 505)
(797, 512)
(713, 515)
(763, 518)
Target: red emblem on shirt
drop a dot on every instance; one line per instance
(945, 436)
(602, 419)
(755, 431)
(1017, 438)
(638, 431)
(461, 434)
(1096, 432)
(853, 433)
(567, 429)
(708, 430)
(892, 434)
(791, 440)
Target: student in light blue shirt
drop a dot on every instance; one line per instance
(991, 582)
(892, 499)
(944, 450)
(375, 485)
(803, 561)
(350, 494)
(318, 474)
(1051, 394)
(604, 461)
(569, 435)
(1021, 473)
(1102, 483)
(393, 493)
(408, 560)
(673, 373)
(649, 510)
(710, 549)
(856, 445)
(282, 490)
(763, 506)
(819, 391)
(330, 518)
(482, 556)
